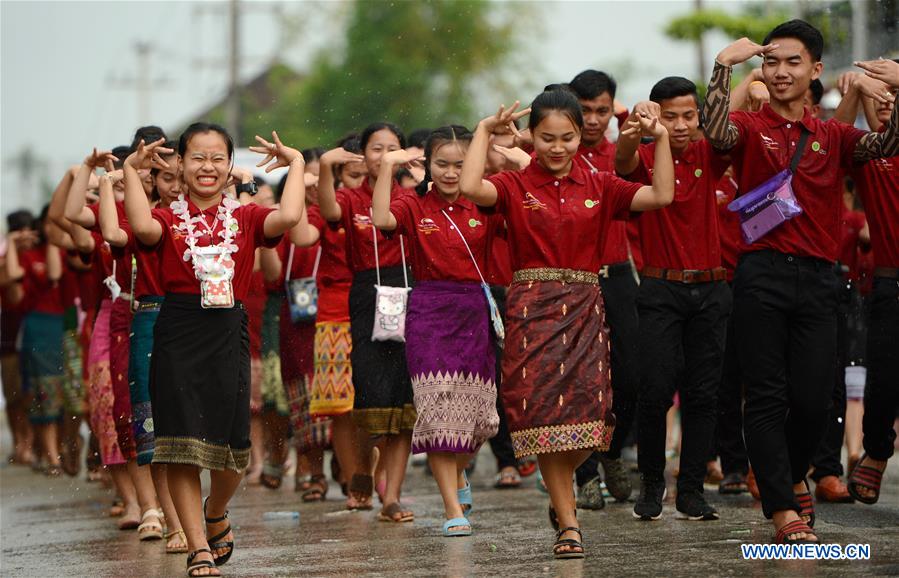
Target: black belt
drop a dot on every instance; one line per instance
(615, 270)
(886, 272)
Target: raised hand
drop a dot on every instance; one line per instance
(99, 159)
(505, 118)
(402, 157)
(873, 88)
(846, 80)
(147, 156)
(340, 156)
(881, 69)
(647, 108)
(517, 157)
(742, 50)
(277, 154)
(240, 175)
(758, 95)
(310, 180)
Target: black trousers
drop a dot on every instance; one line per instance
(501, 443)
(882, 386)
(729, 432)
(619, 291)
(827, 458)
(683, 329)
(786, 332)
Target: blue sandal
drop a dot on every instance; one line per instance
(457, 523)
(464, 496)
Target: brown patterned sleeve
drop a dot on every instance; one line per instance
(879, 145)
(721, 133)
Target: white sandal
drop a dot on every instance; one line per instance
(150, 529)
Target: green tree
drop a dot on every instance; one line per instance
(413, 63)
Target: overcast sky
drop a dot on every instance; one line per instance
(68, 67)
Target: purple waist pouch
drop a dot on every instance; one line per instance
(767, 206)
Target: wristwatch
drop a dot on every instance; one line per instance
(247, 188)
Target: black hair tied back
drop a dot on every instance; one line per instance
(437, 138)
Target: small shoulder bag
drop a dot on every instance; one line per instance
(302, 293)
(772, 203)
(391, 303)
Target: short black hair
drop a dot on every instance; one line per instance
(374, 127)
(673, 87)
(817, 91)
(802, 31)
(418, 137)
(18, 220)
(559, 100)
(557, 86)
(148, 134)
(590, 84)
(121, 153)
(312, 154)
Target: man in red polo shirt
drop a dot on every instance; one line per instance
(684, 301)
(877, 182)
(785, 288)
(595, 92)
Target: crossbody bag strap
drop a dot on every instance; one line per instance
(289, 264)
(403, 257)
(374, 235)
(318, 258)
(470, 254)
(800, 150)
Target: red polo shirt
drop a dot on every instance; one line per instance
(177, 275)
(560, 222)
(851, 225)
(877, 181)
(41, 294)
(683, 235)
(303, 261)
(437, 252)
(728, 226)
(499, 271)
(766, 146)
(68, 284)
(355, 206)
(601, 157)
(333, 267)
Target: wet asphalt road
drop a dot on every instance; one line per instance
(58, 527)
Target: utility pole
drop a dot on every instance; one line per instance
(141, 81)
(232, 105)
(859, 30)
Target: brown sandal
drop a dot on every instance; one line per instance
(395, 513)
(361, 489)
(318, 489)
(182, 549)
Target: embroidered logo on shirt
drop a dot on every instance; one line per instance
(362, 222)
(590, 203)
(769, 143)
(816, 146)
(427, 226)
(883, 165)
(531, 202)
(474, 223)
(697, 173)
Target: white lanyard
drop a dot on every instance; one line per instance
(374, 232)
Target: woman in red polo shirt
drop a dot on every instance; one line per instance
(383, 404)
(449, 347)
(40, 269)
(556, 358)
(199, 378)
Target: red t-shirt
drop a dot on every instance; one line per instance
(437, 252)
(90, 282)
(254, 302)
(728, 226)
(683, 235)
(560, 222)
(766, 146)
(355, 206)
(877, 181)
(177, 275)
(303, 262)
(333, 268)
(599, 158)
(41, 294)
(68, 284)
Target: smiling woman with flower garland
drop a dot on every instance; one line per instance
(199, 376)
